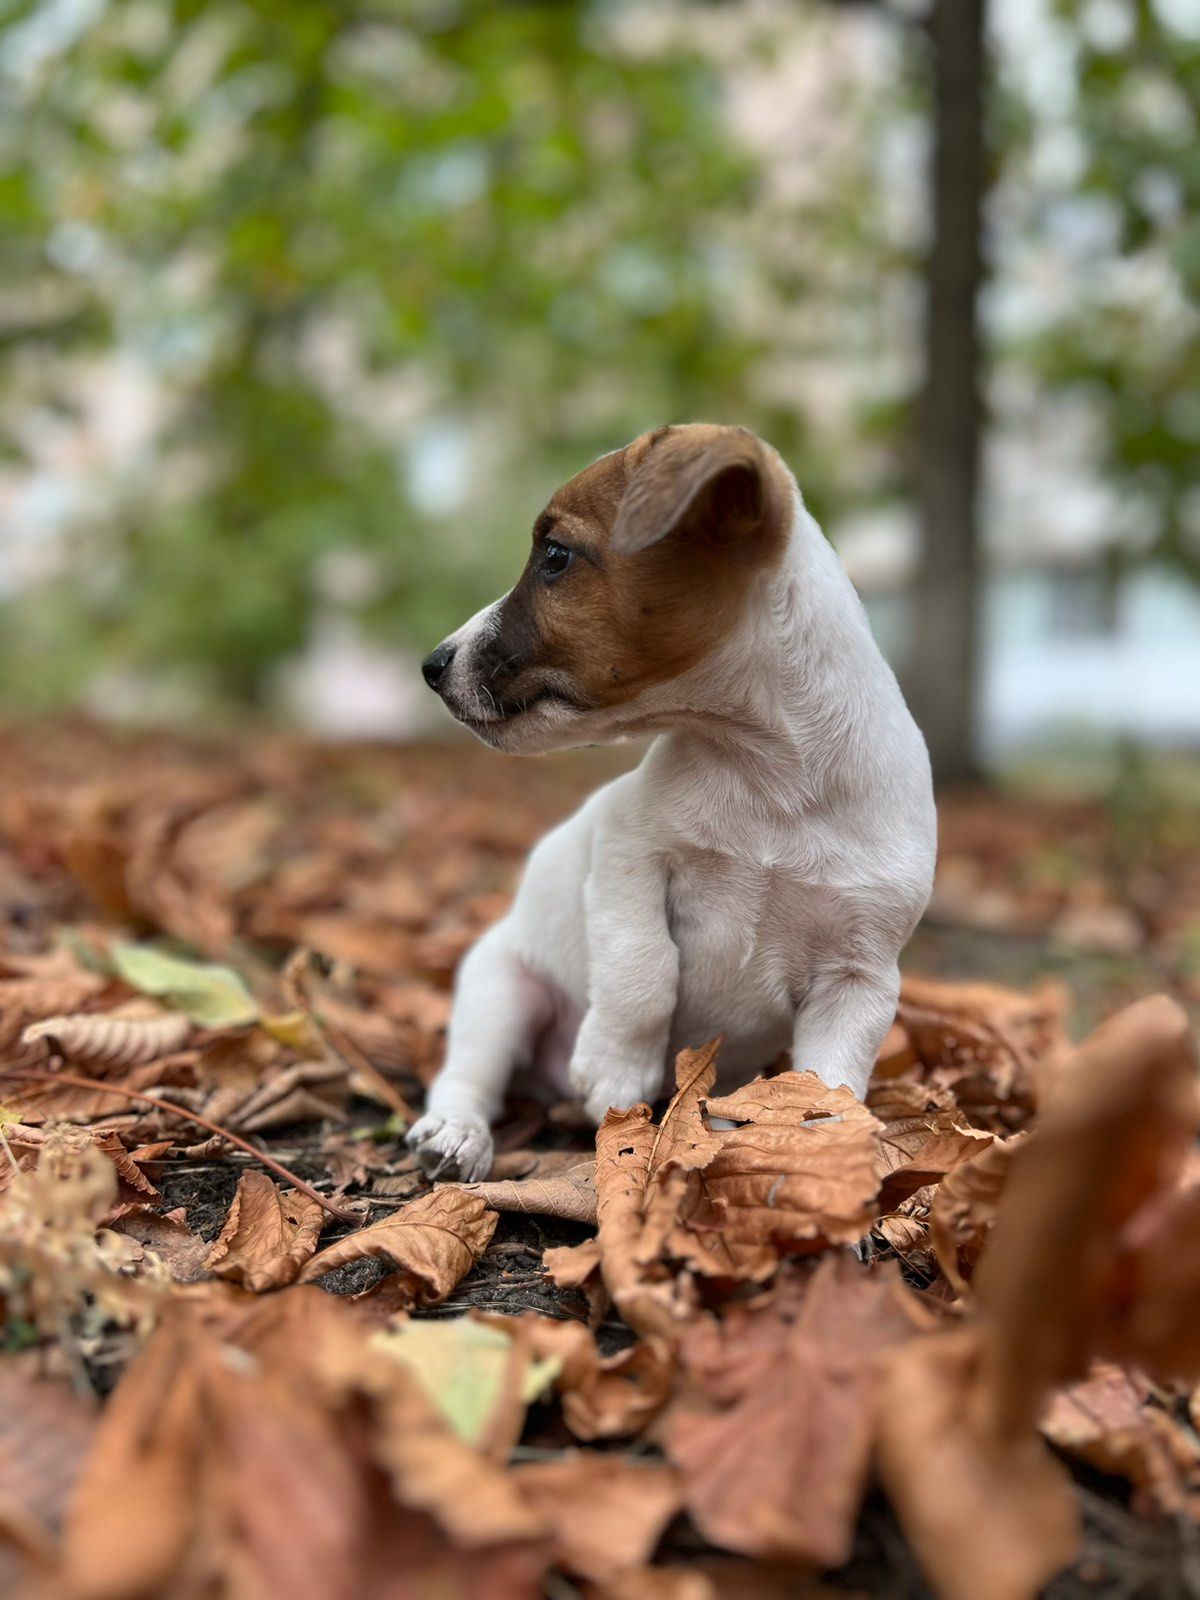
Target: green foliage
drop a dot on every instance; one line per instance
(1131, 340)
(329, 230)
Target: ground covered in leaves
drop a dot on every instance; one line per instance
(943, 1343)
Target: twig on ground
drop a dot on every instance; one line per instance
(29, 1075)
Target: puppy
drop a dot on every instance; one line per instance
(758, 874)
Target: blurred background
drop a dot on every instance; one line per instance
(305, 309)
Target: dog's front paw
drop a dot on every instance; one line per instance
(615, 1082)
(452, 1147)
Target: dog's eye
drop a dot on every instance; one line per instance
(556, 558)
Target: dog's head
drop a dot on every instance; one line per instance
(640, 567)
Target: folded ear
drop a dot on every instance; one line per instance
(710, 480)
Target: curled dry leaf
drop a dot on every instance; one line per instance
(919, 1147)
(798, 1173)
(1114, 1139)
(772, 1433)
(564, 1188)
(990, 1514)
(964, 1208)
(603, 1397)
(128, 1163)
(106, 1040)
(434, 1241)
(988, 1043)
(606, 1513)
(167, 1236)
(268, 1235)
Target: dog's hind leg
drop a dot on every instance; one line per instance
(499, 1011)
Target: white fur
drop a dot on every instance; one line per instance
(756, 876)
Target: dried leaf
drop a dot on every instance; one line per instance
(603, 1397)
(107, 1040)
(183, 1253)
(964, 1208)
(45, 1426)
(1114, 1138)
(773, 1436)
(607, 1513)
(797, 1173)
(990, 1514)
(277, 1453)
(128, 1166)
(268, 1234)
(569, 1193)
(435, 1241)
(1107, 1421)
(922, 1148)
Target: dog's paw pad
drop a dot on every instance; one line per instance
(452, 1148)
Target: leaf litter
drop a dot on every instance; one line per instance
(672, 1362)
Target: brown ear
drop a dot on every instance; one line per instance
(712, 478)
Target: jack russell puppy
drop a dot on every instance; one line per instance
(759, 873)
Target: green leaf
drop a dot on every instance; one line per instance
(212, 996)
(464, 1366)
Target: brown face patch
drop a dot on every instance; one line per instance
(665, 538)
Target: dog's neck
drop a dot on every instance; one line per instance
(797, 710)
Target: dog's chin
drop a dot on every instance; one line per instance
(551, 722)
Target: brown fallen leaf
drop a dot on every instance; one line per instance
(107, 1039)
(183, 1253)
(988, 1512)
(986, 1043)
(1107, 1421)
(275, 1452)
(434, 1241)
(1154, 1323)
(964, 1207)
(918, 1147)
(798, 1173)
(642, 1175)
(565, 1188)
(268, 1234)
(681, 1200)
(603, 1397)
(128, 1163)
(773, 1433)
(45, 1427)
(577, 1266)
(990, 1515)
(607, 1513)
(1114, 1138)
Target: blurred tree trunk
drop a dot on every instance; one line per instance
(942, 676)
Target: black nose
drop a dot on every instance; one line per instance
(433, 668)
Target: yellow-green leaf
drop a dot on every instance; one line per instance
(212, 996)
